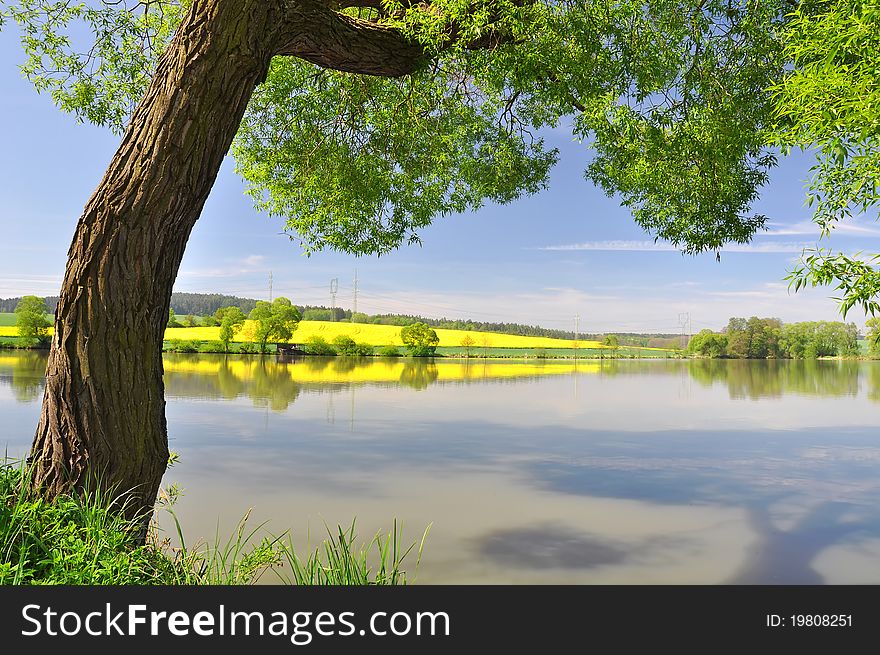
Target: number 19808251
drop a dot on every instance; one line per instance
(810, 621)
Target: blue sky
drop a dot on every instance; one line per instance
(542, 260)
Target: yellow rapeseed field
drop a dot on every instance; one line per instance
(383, 335)
(375, 335)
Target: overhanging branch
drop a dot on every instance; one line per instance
(344, 43)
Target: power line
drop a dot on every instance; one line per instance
(355, 304)
(684, 321)
(334, 287)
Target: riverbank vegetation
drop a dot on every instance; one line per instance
(78, 539)
(770, 338)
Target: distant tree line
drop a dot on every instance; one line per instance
(763, 338)
(8, 305)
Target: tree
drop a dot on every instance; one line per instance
(172, 319)
(755, 338)
(468, 342)
(189, 321)
(873, 336)
(708, 344)
(345, 345)
(830, 103)
(360, 122)
(33, 327)
(419, 339)
(316, 345)
(231, 319)
(611, 341)
(276, 321)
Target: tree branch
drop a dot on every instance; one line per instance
(344, 43)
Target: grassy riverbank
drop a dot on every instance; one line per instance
(77, 540)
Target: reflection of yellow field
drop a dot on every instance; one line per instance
(9, 360)
(381, 335)
(376, 371)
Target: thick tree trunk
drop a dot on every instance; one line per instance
(102, 424)
(103, 417)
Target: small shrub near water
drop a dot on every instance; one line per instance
(183, 346)
(318, 346)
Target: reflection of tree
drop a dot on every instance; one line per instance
(28, 375)
(418, 374)
(262, 379)
(344, 365)
(272, 383)
(708, 371)
(315, 364)
(874, 381)
(773, 378)
(785, 556)
(230, 385)
(754, 379)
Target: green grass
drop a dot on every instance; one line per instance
(11, 318)
(77, 540)
(569, 353)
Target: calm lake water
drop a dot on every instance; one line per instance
(622, 472)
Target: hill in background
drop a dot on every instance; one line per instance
(205, 304)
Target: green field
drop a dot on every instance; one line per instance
(11, 319)
(623, 352)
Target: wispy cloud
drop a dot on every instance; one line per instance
(253, 261)
(237, 267)
(850, 228)
(651, 246)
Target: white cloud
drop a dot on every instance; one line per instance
(651, 310)
(852, 228)
(253, 261)
(651, 246)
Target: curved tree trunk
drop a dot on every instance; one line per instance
(102, 424)
(103, 417)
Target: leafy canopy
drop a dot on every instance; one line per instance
(669, 94)
(33, 326)
(419, 339)
(231, 320)
(830, 102)
(274, 321)
(685, 105)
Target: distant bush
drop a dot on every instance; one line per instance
(247, 348)
(345, 345)
(363, 349)
(212, 347)
(389, 351)
(318, 346)
(183, 346)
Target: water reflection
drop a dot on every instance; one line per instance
(773, 378)
(555, 471)
(25, 373)
(237, 376)
(278, 384)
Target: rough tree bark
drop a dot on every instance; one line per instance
(102, 423)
